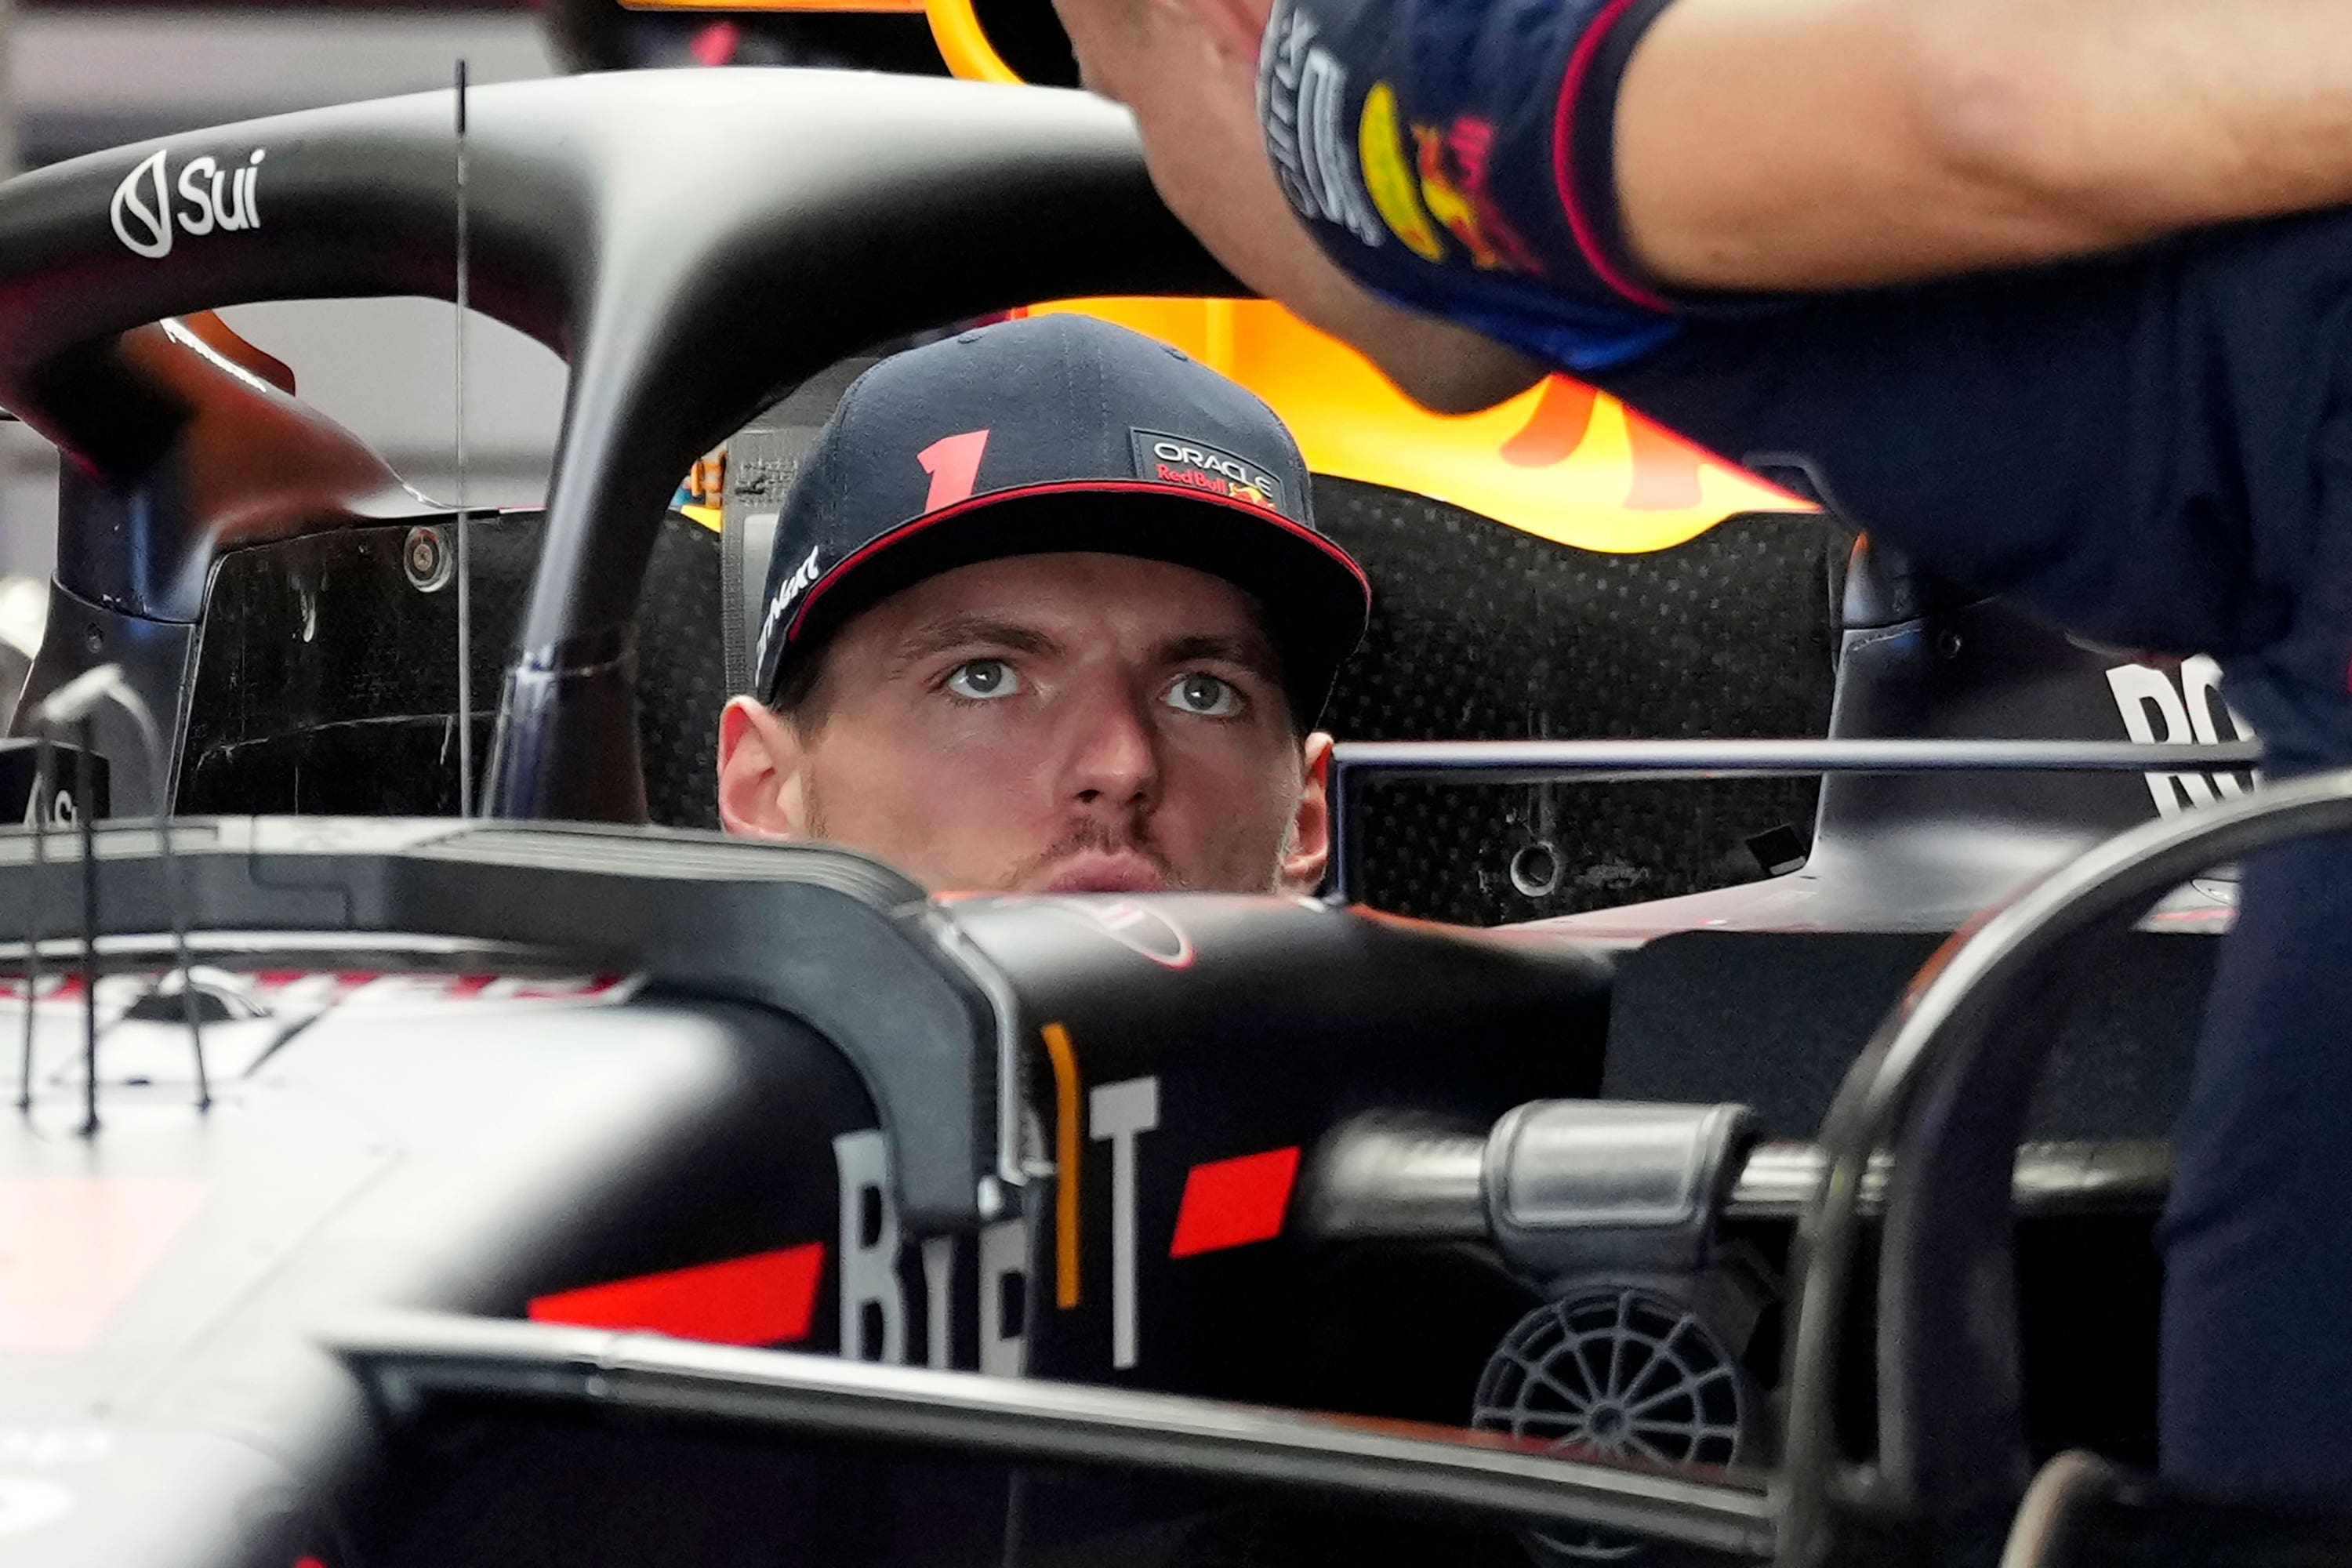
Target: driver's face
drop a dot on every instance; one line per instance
(1045, 723)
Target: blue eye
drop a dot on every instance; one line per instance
(982, 679)
(1203, 696)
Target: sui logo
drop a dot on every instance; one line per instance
(210, 197)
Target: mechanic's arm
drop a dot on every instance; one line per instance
(1758, 144)
(1784, 144)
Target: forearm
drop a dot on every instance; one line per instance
(1817, 143)
(1208, 157)
(1444, 368)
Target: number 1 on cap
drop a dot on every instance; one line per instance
(953, 463)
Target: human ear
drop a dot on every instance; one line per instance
(762, 773)
(1309, 851)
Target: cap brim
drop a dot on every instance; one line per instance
(1314, 596)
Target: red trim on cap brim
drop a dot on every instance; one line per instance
(1067, 486)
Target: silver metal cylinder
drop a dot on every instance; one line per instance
(1395, 1178)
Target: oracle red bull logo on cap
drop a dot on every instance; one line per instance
(1176, 460)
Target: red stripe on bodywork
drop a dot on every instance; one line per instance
(1232, 1203)
(766, 1298)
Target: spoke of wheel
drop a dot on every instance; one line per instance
(1591, 1379)
(1577, 1403)
(1690, 1385)
(1661, 1357)
(1617, 1342)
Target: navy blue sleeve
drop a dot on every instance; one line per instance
(2151, 451)
(1457, 156)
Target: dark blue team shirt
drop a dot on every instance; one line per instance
(2154, 451)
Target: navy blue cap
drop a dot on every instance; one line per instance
(1057, 433)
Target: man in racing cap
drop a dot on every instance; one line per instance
(2153, 449)
(1047, 611)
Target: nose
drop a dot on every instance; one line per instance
(1113, 755)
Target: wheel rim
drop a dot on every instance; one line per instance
(1621, 1374)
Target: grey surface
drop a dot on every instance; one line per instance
(87, 77)
(387, 368)
(90, 76)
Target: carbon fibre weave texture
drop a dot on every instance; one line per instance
(1480, 631)
(681, 676)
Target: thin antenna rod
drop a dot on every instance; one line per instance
(464, 554)
(175, 886)
(84, 793)
(44, 791)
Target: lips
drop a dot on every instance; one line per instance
(1117, 871)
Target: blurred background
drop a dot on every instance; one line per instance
(80, 77)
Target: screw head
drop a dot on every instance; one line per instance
(93, 638)
(425, 556)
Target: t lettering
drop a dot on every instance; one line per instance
(1116, 1114)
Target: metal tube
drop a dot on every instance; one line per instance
(1532, 761)
(1356, 763)
(1376, 1184)
(1384, 1180)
